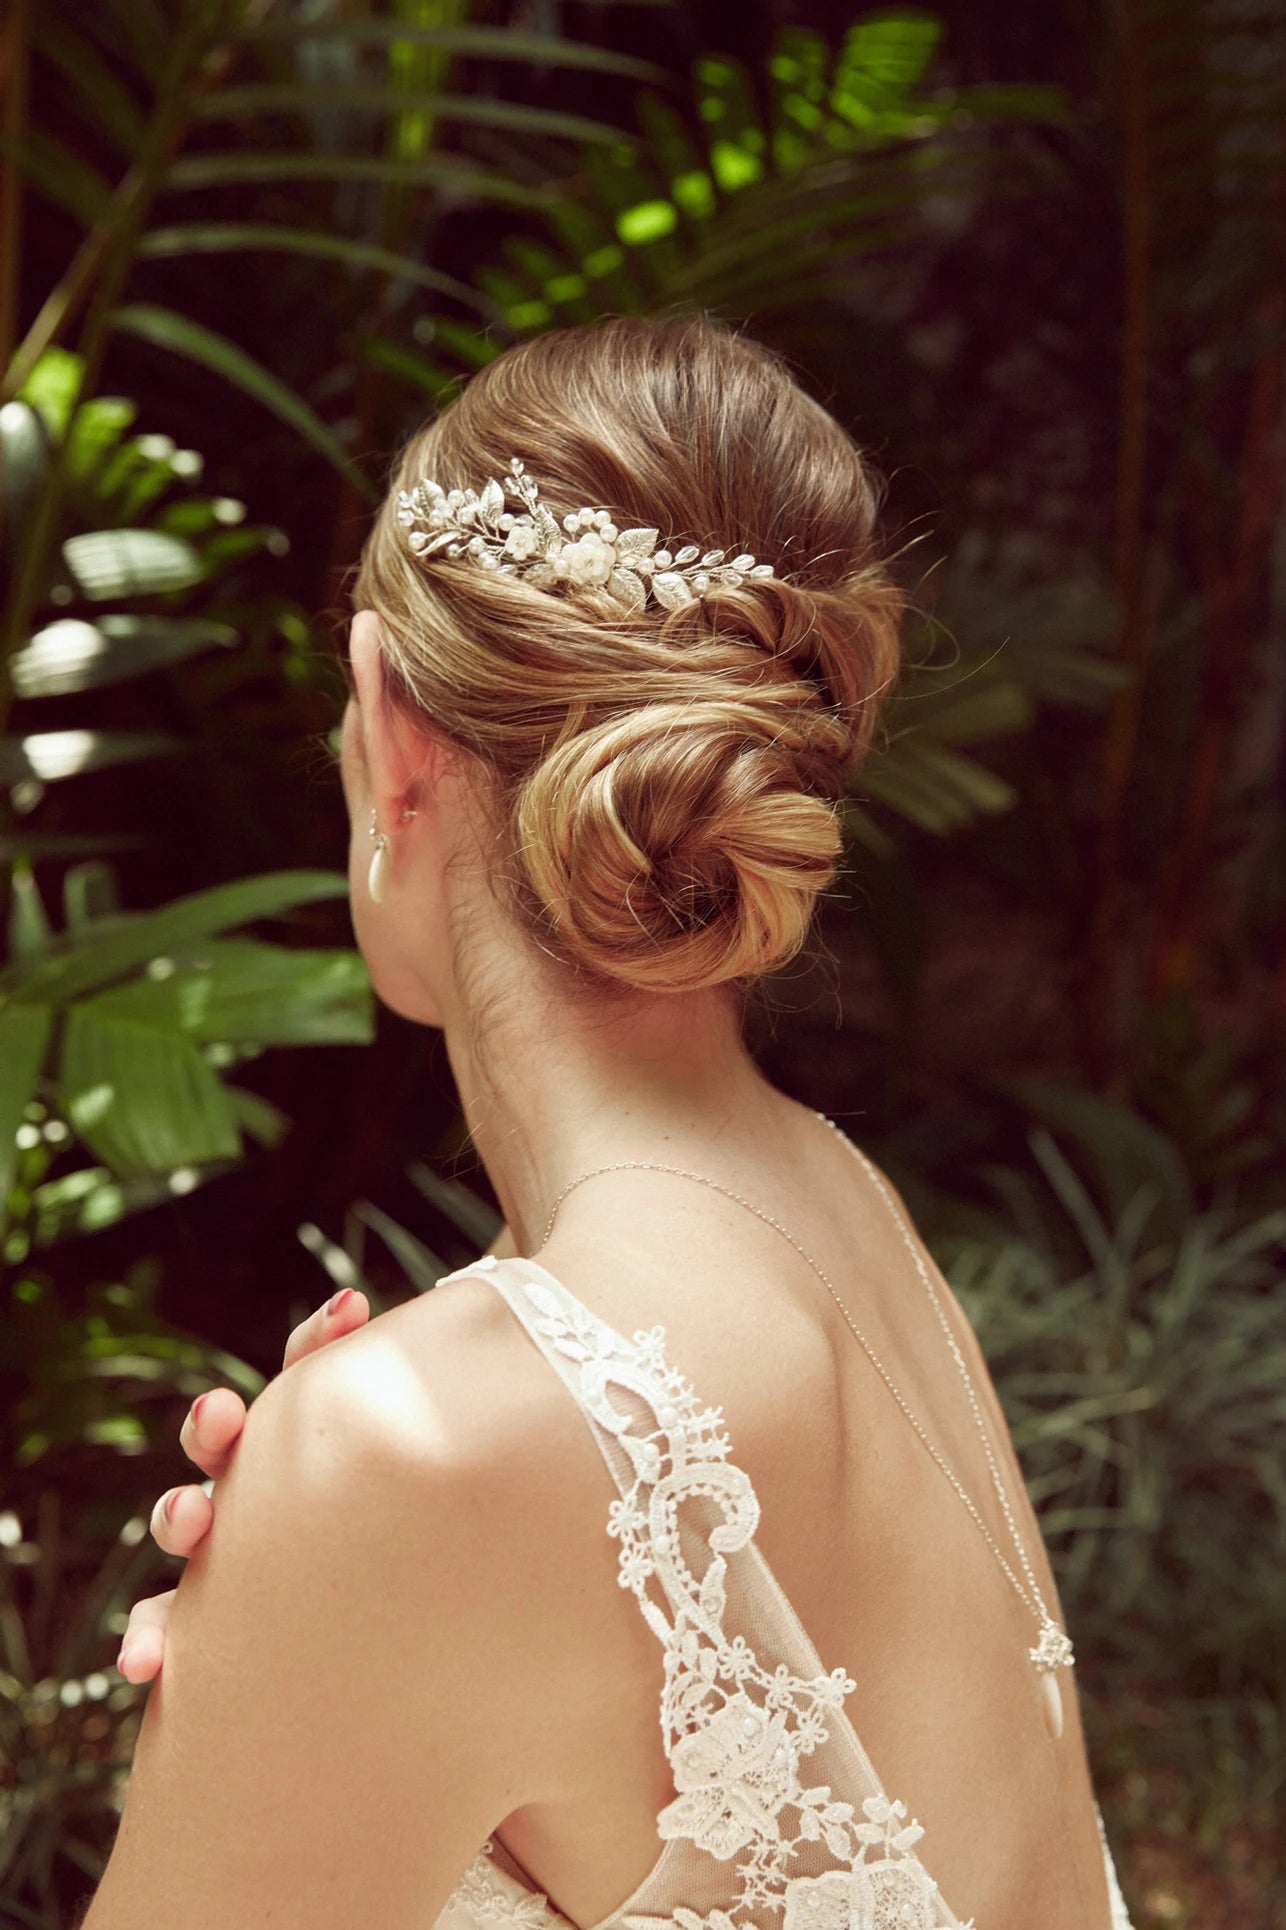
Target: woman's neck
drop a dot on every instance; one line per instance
(551, 1090)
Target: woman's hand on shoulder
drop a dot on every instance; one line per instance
(182, 1516)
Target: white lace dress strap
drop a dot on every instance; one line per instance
(779, 1817)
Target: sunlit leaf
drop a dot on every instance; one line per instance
(239, 990)
(119, 563)
(141, 1097)
(52, 389)
(97, 426)
(142, 937)
(95, 1197)
(24, 462)
(51, 755)
(72, 654)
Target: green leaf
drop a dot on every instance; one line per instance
(115, 563)
(41, 844)
(475, 1219)
(142, 1098)
(140, 938)
(258, 1116)
(214, 237)
(166, 329)
(423, 1267)
(336, 1260)
(243, 992)
(480, 110)
(463, 179)
(97, 427)
(89, 896)
(72, 654)
(94, 1197)
(490, 43)
(975, 705)
(1125, 1151)
(415, 370)
(93, 79)
(53, 389)
(52, 755)
(934, 787)
(63, 179)
(30, 933)
(890, 51)
(24, 462)
(24, 1038)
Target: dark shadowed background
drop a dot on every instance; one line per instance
(1032, 258)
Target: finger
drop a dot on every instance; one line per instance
(143, 1643)
(212, 1429)
(344, 1311)
(181, 1518)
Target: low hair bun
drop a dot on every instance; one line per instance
(673, 848)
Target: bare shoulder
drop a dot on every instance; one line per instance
(373, 1633)
(442, 1384)
(445, 1404)
(434, 1443)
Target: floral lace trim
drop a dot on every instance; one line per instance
(736, 1734)
(490, 1896)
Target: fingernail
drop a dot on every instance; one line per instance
(122, 1658)
(167, 1505)
(337, 1300)
(197, 1405)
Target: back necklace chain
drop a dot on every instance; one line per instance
(1054, 1649)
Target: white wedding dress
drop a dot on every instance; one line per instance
(780, 1821)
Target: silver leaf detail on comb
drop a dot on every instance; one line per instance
(586, 551)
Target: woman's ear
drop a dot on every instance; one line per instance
(396, 753)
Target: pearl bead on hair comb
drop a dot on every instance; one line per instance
(586, 551)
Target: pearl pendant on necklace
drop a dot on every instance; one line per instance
(1052, 1652)
(1051, 1702)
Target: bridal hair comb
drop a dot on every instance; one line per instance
(585, 551)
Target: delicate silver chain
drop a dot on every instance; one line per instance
(1053, 1652)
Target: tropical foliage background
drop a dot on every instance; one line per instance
(1031, 256)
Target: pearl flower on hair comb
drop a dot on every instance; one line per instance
(585, 551)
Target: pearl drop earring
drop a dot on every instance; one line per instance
(378, 874)
(377, 877)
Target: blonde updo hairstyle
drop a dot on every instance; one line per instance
(666, 783)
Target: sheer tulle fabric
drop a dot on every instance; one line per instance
(780, 1821)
